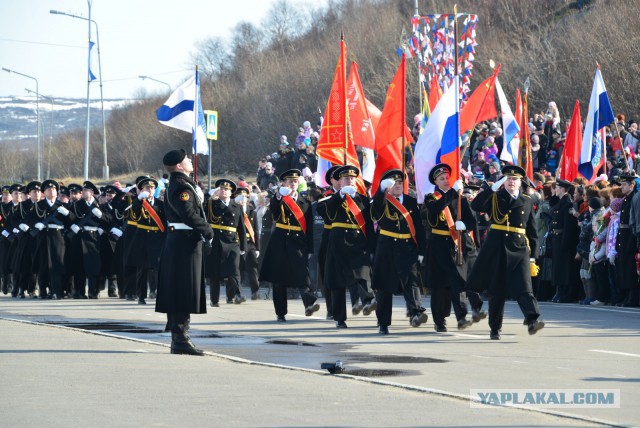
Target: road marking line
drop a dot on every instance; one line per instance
(626, 354)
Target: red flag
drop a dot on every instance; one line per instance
(434, 92)
(481, 104)
(392, 132)
(525, 157)
(374, 114)
(572, 146)
(361, 125)
(335, 143)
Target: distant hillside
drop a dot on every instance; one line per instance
(18, 117)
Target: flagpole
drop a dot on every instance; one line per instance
(195, 127)
(459, 256)
(404, 118)
(343, 77)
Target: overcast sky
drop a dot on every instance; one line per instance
(137, 37)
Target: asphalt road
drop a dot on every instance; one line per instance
(65, 363)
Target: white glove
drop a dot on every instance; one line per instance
(496, 186)
(39, 226)
(458, 186)
(100, 231)
(257, 254)
(116, 231)
(242, 253)
(348, 190)
(75, 228)
(284, 191)
(460, 225)
(420, 259)
(96, 212)
(214, 192)
(143, 195)
(239, 198)
(387, 184)
(23, 227)
(15, 230)
(63, 211)
(5, 233)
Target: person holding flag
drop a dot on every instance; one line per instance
(446, 277)
(349, 249)
(504, 264)
(400, 248)
(286, 257)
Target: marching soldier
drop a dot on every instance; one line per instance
(400, 247)
(445, 277)
(226, 218)
(89, 224)
(249, 262)
(23, 259)
(503, 266)
(11, 213)
(286, 258)
(349, 248)
(109, 241)
(5, 242)
(52, 218)
(566, 234)
(181, 289)
(146, 244)
(322, 256)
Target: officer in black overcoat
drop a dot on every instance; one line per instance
(23, 264)
(400, 247)
(229, 242)
(503, 266)
(566, 235)
(52, 218)
(89, 223)
(627, 245)
(249, 261)
(5, 240)
(350, 246)
(324, 240)
(181, 290)
(146, 245)
(445, 277)
(286, 258)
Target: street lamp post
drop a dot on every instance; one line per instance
(105, 166)
(48, 175)
(37, 117)
(156, 80)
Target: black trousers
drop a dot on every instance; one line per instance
(442, 299)
(411, 294)
(280, 298)
(232, 289)
(129, 278)
(146, 279)
(359, 289)
(528, 305)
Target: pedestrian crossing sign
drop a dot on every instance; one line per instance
(212, 124)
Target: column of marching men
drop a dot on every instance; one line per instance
(77, 240)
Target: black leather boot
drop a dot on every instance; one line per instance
(180, 341)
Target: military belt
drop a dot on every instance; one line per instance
(328, 226)
(221, 227)
(395, 235)
(145, 227)
(508, 228)
(623, 226)
(440, 232)
(90, 229)
(345, 225)
(288, 227)
(55, 226)
(132, 223)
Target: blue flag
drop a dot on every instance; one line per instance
(92, 76)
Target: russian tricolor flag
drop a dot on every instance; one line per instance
(600, 115)
(439, 141)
